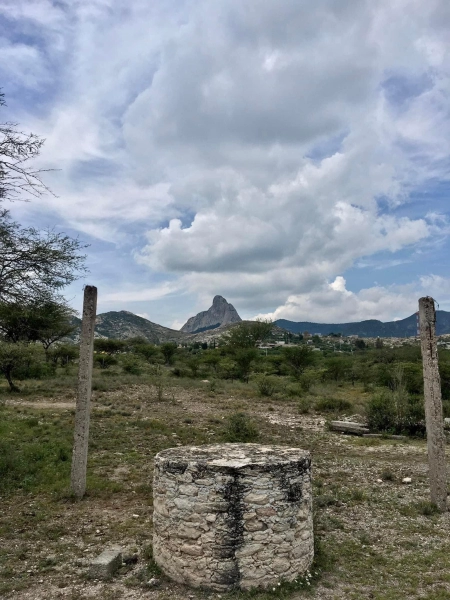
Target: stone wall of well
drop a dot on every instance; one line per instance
(230, 516)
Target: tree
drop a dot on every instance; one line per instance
(212, 358)
(168, 350)
(64, 353)
(244, 357)
(104, 361)
(298, 358)
(34, 266)
(109, 345)
(46, 322)
(147, 351)
(13, 356)
(248, 334)
(337, 368)
(16, 149)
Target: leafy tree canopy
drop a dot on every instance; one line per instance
(40, 321)
(248, 334)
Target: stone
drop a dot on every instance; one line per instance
(191, 550)
(280, 566)
(256, 498)
(406, 480)
(189, 532)
(188, 490)
(266, 512)
(182, 504)
(242, 521)
(106, 564)
(249, 549)
(254, 525)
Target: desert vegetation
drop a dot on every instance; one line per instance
(374, 534)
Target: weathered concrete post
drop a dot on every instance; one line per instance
(82, 413)
(433, 403)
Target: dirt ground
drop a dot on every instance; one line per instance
(378, 537)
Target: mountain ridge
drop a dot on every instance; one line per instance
(125, 324)
(369, 328)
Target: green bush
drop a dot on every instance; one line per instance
(308, 378)
(104, 361)
(396, 412)
(267, 385)
(332, 405)
(381, 412)
(240, 429)
(294, 390)
(304, 405)
(35, 370)
(131, 366)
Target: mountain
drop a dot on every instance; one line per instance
(371, 328)
(124, 325)
(220, 313)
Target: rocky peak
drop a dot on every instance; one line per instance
(220, 313)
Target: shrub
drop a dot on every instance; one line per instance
(240, 429)
(426, 508)
(304, 405)
(131, 366)
(104, 361)
(308, 378)
(266, 385)
(294, 390)
(396, 412)
(387, 475)
(332, 405)
(380, 412)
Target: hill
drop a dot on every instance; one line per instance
(219, 314)
(370, 328)
(124, 325)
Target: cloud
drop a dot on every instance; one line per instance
(258, 149)
(333, 303)
(140, 295)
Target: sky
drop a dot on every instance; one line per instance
(291, 156)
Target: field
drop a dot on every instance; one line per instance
(376, 537)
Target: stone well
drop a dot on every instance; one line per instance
(230, 516)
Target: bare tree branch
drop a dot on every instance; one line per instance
(16, 149)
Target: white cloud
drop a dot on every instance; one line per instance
(263, 146)
(140, 295)
(333, 303)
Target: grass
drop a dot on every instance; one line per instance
(380, 540)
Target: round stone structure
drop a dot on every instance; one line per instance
(233, 516)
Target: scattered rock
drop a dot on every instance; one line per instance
(153, 582)
(130, 559)
(106, 564)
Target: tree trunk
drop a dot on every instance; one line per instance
(12, 386)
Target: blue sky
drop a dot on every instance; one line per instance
(290, 156)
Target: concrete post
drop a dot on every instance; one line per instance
(82, 413)
(433, 403)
